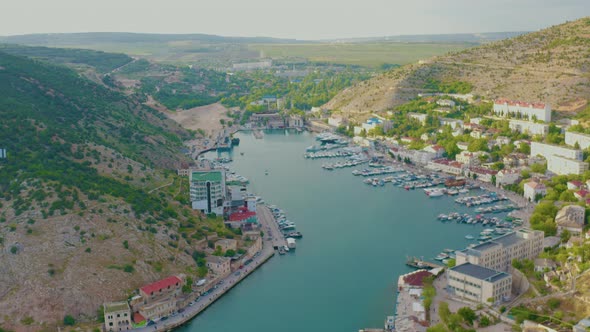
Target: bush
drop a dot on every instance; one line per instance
(69, 320)
(128, 268)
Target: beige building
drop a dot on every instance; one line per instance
(478, 283)
(469, 158)
(256, 245)
(571, 218)
(499, 253)
(158, 299)
(227, 244)
(117, 316)
(532, 189)
(219, 265)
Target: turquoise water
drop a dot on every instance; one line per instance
(343, 274)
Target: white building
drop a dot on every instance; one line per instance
(437, 150)
(507, 176)
(447, 166)
(445, 102)
(523, 110)
(527, 127)
(532, 189)
(454, 123)
(335, 121)
(478, 283)
(421, 117)
(207, 191)
(546, 150)
(499, 253)
(371, 123)
(469, 158)
(562, 166)
(583, 140)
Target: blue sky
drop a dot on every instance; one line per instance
(301, 19)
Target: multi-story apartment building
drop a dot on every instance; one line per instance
(583, 140)
(522, 110)
(207, 191)
(478, 283)
(498, 253)
(562, 165)
(548, 150)
(527, 127)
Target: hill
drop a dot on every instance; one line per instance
(551, 65)
(89, 208)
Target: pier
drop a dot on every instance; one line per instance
(422, 264)
(270, 227)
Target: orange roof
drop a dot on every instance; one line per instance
(536, 105)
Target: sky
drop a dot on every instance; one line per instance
(299, 19)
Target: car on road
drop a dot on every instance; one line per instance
(164, 318)
(191, 304)
(237, 273)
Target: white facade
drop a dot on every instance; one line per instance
(527, 127)
(454, 123)
(335, 121)
(445, 102)
(499, 253)
(562, 166)
(480, 284)
(207, 191)
(583, 140)
(571, 218)
(532, 189)
(469, 158)
(507, 176)
(547, 150)
(518, 109)
(418, 116)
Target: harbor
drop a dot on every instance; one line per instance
(327, 210)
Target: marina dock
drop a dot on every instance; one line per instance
(422, 264)
(270, 227)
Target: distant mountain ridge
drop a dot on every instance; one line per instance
(551, 65)
(476, 38)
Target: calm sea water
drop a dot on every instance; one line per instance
(343, 274)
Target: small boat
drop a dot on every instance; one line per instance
(286, 248)
(441, 256)
(241, 153)
(295, 235)
(266, 172)
(469, 237)
(435, 193)
(281, 251)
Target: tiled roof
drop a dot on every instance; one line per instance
(502, 101)
(159, 285)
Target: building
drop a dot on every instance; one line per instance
(515, 159)
(371, 123)
(498, 253)
(207, 191)
(522, 110)
(437, 150)
(532, 189)
(420, 117)
(574, 185)
(243, 218)
(527, 127)
(469, 158)
(254, 242)
(507, 176)
(582, 325)
(481, 174)
(463, 146)
(219, 265)
(335, 121)
(2, 153)
(252, 65)
(571, 218)
(478, 283)
(453, 123)
(548, 150)
(563, 166)
(296, 121)
(158, 299)
(544, 264)
(117, 316)
(227, 244)
(446, 166)
(583, 140)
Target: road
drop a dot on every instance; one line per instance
(230, 281)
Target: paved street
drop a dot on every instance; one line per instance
(230, 281)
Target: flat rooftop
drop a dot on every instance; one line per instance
(115, 306)
(480, 272)
(213, 176)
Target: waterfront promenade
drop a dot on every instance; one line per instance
(270, 227)
(266, 219)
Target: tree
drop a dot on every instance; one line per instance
(69, 320)
(565, 236)
(468, 314)
(202, 271)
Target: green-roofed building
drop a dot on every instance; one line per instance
(207, 191)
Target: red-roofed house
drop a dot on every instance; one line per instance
(482, 174)
(532, 189)
(581, 194)
(436, 149)
(158, 299)
(242, 218)
(574, 185)
(138, 318)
